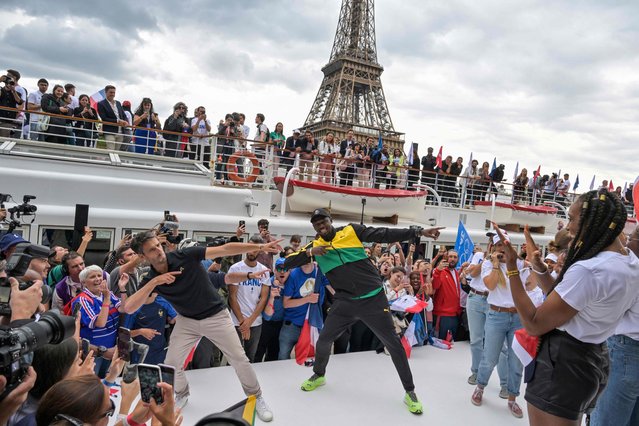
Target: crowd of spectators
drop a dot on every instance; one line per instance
(353, 161)
(267, 304)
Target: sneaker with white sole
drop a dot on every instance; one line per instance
(472, 380)
(263, 410)
(503, 393)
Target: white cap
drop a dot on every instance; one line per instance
(552, 257)
(496, 237)
(296, 131)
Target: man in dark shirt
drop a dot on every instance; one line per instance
(175, 123)
(429, 162)
(346, 175)
(359, 293)
(181, 279)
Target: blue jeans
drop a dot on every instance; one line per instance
(477, 311)
(500, 327)
(619, 403)
(289, 334)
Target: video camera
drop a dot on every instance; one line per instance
(17, 344)
(24, 209)
(169, 225)
(17, 266)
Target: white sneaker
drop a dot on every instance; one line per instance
(263, 410)
(181, 400)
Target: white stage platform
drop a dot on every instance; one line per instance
(362, 389)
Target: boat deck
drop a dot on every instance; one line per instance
(362, 388)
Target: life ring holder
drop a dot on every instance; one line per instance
(232, 167)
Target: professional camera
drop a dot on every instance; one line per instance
(216, 241)
(7, 80)
(17, 344)
(17, 266)
(24, 209)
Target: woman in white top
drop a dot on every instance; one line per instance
(502, 320)
(596, 286)
(619, 403)
(328, 150)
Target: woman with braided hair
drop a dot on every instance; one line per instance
(582, 309)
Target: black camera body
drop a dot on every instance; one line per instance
(216, 241)
(17, 345)
(24, 209)
(17, 266)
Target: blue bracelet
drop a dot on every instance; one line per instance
(109, 384)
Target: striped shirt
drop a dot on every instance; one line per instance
(90, 306)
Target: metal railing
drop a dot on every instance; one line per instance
(237, 161)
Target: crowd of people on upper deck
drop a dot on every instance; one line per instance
(354, 161)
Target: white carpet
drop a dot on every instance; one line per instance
(361, 389)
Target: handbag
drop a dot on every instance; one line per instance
(43, 123)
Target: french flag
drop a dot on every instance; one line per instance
(525, 347)
(313, 324)
(635, 195)
(97, 97)
(415, 334)
(410, 304)
(438, 160)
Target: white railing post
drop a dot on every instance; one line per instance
(289, 176)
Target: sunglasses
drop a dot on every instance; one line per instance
(280, 269)
(110, 411)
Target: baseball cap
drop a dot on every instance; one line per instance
(9, 240)
(496, 237)
(280, 261)
(126, 104)
(319, 213)
(296, 131)
(490, 234)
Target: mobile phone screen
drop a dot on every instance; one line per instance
(124, 343)
(76, 309)
(242, 223)
(150, 376)
(86, 347)
(168, 373)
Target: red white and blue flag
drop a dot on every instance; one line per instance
(97, 97)
(415, 334)
(313, 324)
(525, 347)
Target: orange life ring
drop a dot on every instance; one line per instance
(232, 167)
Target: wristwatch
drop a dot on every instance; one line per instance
(101, 351)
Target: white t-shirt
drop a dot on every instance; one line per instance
(74, 103)
(602, 289)
(536, 295)
(477, 282)
(201, 130)
(629, 324)
(248, 292)
(35, 98)
(501, 295)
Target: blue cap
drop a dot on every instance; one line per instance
(9, 240)
(280, 261)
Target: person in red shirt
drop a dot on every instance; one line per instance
(447, 288)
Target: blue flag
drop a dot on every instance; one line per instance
(576, 185)
(494, 165)
(380, 144)
(464, 246)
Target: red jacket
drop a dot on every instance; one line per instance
(447, 292)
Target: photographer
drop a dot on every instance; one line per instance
(201, 128)
(226, 145)
(177, 123)
(11, 98)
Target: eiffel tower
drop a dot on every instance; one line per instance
(351, 95)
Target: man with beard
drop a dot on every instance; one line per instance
(181, 279)
(359, 294)
(248, 298)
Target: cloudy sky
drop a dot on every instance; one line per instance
(543, 83)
